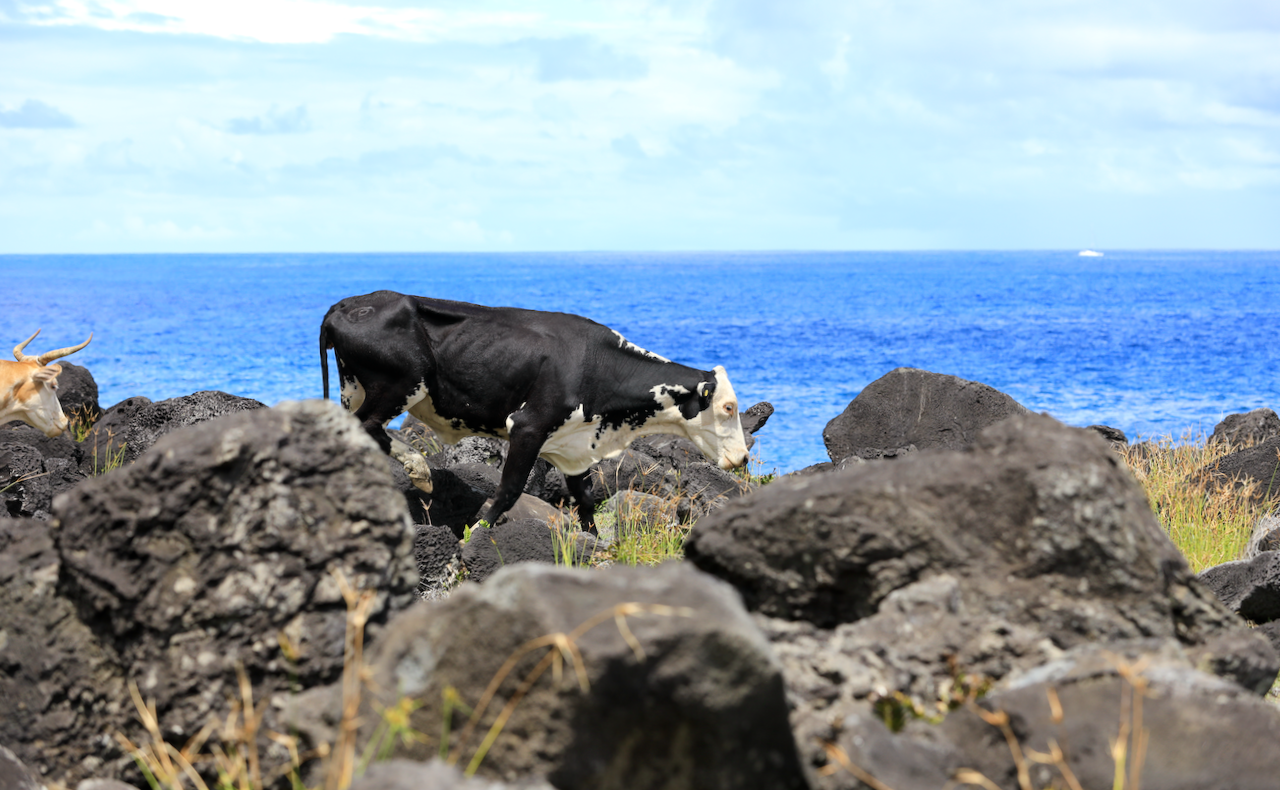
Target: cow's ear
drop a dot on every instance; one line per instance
(705, 390)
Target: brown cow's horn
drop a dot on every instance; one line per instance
(17, 350)
(50, 356)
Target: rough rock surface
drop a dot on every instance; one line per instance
(215, 547)
(907, 406)
(13, 774)
(709, 487)
(687, 696)
(78, 392)
(434, 775)
(1202, 731)
(437, 553)
(633, 470)
(1249, 428)
(885, 577)
(1258, 466)
(673, 452)
(510, 542)
(754, 417)
(471, 450)
(479, 476)
(1265, 536)
(454, 502)
(135, 424)
(1113, 435)
(35, 468)
(59, 685)
(1249, 587)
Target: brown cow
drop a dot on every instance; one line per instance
(29, 388)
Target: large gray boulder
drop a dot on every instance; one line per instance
(667, 682)
(220, 546)
(908, 407)
(886, 578)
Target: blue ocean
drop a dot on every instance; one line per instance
(1154, 343)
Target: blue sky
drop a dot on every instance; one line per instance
(263, 125)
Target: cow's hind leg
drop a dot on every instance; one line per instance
(580, 490)
(374, 412)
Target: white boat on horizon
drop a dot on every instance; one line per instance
(1090, 254)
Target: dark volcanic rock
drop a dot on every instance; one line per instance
(1113, 435)
(1202, 731)
(885, 577)
(436, 550)
(754, 418)
(478, 476)
(35, 468)
(13, 774)
(1257, 466)
(547, 483)
(508, 543)
(78, 393)
(672, 452)
(217, 546)
(59, 684)
(709, 487)
(471, 450)
(1250, 587)
(1247, 429)
(455, 503)
(135, 424)
(915, 407)
(633, 470)
(689, 696)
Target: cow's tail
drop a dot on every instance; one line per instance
(324, 358)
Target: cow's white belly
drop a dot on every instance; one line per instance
(419, 404)
(580, 442)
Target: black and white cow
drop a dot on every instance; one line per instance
(555, 385)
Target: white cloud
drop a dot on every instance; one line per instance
(275, 121)
(35, 114)
(284, 21)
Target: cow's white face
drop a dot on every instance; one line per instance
(717, 430)
(39, 401)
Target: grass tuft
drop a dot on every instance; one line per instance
(234, 757)
(1209, 524)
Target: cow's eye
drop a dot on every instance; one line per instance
(730, 408)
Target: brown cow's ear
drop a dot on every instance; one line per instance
(46, 376)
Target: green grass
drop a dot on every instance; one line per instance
(1209, 526)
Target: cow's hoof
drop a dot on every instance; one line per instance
(419, 473)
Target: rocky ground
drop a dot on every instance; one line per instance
(966, 593)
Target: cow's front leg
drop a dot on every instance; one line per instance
(580, 490)
(526, 443)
